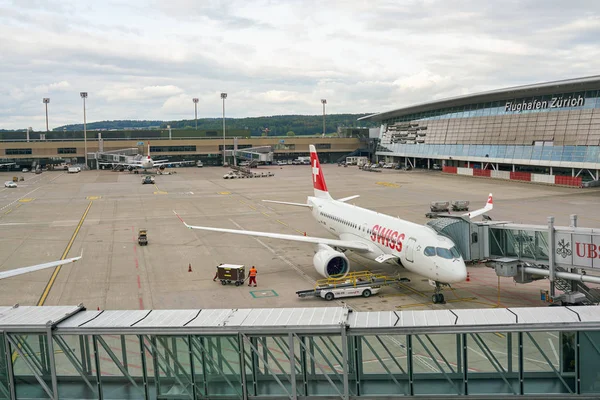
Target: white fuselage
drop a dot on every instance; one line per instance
(147, 163)
(389, 235)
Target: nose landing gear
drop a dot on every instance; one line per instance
(438, 296)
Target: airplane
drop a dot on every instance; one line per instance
(147, 162)
(4, 164)
(19, 271)
(383, 238)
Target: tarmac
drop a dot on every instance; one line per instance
(57, 214)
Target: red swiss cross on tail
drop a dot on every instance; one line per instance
(317, 175)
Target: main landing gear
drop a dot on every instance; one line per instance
(438, 296)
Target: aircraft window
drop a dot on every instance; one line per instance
(444, 253)
(429, 251)
(455, 252)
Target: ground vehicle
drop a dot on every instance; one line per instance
(280, 162)
(436, 167)
(230, 175)
(388, 165)
(244, 164)
(438, 206)
(10, 184)
(74, 170)
(143, 237)
(228, 273)
(335, 293)
(199, 164)
(38, 171)
(25, 170)
(147, 180)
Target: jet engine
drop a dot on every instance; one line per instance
(161, 167)
(330, 263)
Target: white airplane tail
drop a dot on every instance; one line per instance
(317, 175)
(488, 207)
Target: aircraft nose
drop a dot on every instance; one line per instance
(456, 271)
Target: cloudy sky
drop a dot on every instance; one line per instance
(148, 59)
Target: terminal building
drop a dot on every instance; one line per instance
(547, 132)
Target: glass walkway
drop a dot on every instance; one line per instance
(70, 353)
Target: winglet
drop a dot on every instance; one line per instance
(181, 219)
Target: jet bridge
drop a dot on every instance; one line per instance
(568, 256)
(260, 154)
(115, 156)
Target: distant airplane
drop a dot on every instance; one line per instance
(147, 162)
(33, 268)
(375, 236)
(11, 163)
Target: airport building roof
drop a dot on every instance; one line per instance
(318, 320)
(537, 89)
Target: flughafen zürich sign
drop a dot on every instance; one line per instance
(555, 102)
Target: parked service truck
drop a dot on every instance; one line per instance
(74, 170)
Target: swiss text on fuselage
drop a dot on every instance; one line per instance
(387, 237)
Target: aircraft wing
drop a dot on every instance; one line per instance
(25, 270)
(10, 163)
(346, 244)
(488, 207)
(166, 162)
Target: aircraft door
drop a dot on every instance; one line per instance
(409, 248)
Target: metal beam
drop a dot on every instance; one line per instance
(144, 367)
(9, 367)
(97, 361)
(74, 361)
(114, 358)
(556, 372)
(31, 367)
(312, 357)
(266, 364)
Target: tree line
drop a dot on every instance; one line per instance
(278, 125)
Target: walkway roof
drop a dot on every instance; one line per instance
(537, 89)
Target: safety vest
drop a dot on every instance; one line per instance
(252, 271)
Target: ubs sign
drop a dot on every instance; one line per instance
(555, 102)
(577, 250)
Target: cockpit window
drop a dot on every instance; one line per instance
(429, 251)
(448, 253)
(455, 252)
(444, 253)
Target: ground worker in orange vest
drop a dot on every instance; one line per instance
(252, 275)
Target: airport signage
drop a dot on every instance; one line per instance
(577, 250)
(555, 102)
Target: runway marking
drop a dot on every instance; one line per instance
(388, 184)
(93, 197)
(20, 198)
(26, 200)
(257, 294)
(224, 193)
(57, 269)
(6, 212)
(158, 191)
(137, 268)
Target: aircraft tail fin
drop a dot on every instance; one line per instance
(488, 207)
(317, 175)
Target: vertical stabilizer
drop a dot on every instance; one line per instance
(317, 175)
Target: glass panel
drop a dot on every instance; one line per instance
(75, 367)
(589, 353)
(217, 365)
(436, 365)
(549, 362)
(34, 348)
(4, 393)
(324, 358)
(493, 366)
(383, 363)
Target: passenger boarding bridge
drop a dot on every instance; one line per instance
(67, 352)
(261, 154)
(568, 256)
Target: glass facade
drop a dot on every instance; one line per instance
(579, 154)
(536, 104)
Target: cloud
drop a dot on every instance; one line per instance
(147, 59)
(56, 86)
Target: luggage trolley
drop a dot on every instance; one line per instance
(228, 273)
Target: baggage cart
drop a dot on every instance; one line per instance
(437, 206)
(228, 273)
(460, 205)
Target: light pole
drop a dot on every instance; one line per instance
(195, 100)
(323, 101)
(46, 100)
(223, 96)
(84, 96)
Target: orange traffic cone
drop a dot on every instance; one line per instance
(98, 308)
(190, 268)
(468, 277)
(304, 233)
